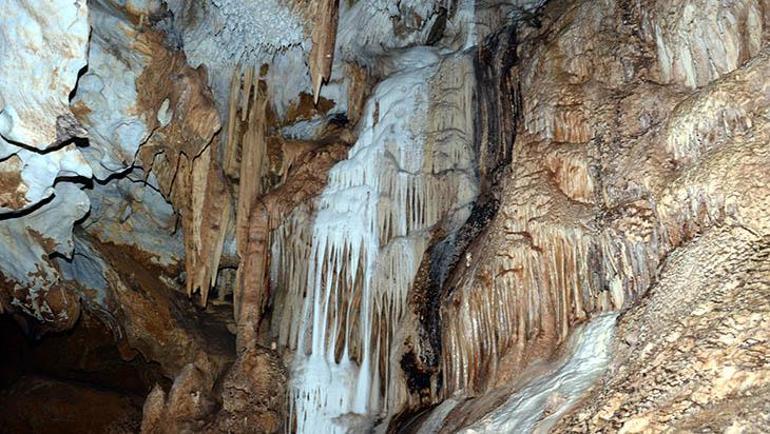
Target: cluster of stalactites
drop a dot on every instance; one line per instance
(526, 301)
(244, 158)
(344, 282)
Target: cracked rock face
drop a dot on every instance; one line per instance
(36, 121)
(51, 39)
(403, 216)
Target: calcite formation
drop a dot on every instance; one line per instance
(428, 216)
(323, 37)
(617, 165)
(398, 182)
(580, 230)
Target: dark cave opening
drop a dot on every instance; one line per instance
(78, 381)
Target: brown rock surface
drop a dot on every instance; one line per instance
(254, 394)
(159, 322)
(39, 405)
(250, 398)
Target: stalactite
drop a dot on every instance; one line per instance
(357, 91)
(253, 162)
(212, 205)
(253, 159)
(230, 161)
(251, 215)
(324, 36)
(218, 219)
(181, 155)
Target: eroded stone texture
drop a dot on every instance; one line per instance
(106, 97)
(698, 41)
(130, 213)
(229, 32)
(159, 321)
(250, 399)
(693, 356)
(254, 394)
(36, 212)
(31, 176)
(145, 108)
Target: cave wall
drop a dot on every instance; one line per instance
(595, 197)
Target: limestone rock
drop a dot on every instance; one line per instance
(130, 213)
(611, 172)
(698, 41)
(38, 209)
(49, 38)
(29, 176)
(697, 360)
(416, 240)
(32, 283)
(251, 395)
(254, 394)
